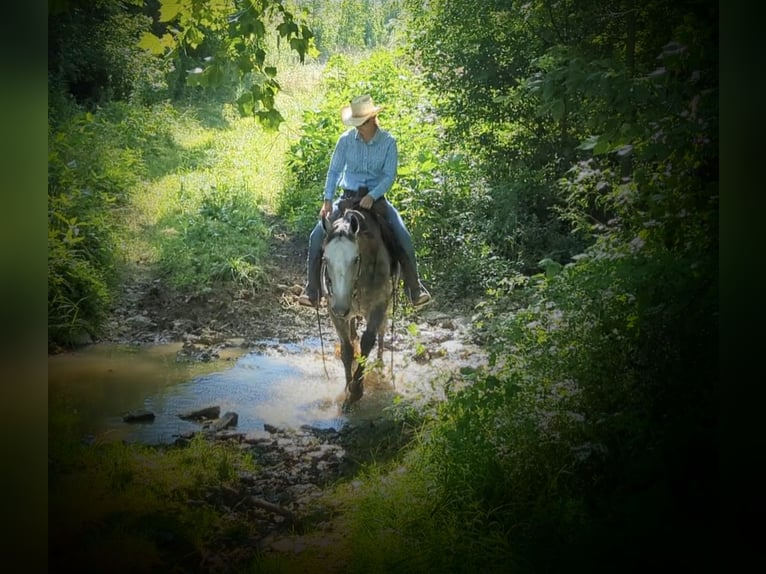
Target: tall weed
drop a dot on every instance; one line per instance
(95, 161)
(217, 236)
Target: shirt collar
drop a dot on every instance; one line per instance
(373, 139)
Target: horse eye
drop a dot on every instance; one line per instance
(356, 260)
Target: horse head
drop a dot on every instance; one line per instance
(341, 261)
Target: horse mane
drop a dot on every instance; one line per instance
(369, 221)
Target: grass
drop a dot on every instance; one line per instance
(201, 214)
(129, 505)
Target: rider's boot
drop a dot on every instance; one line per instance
(415, 290)
(311, 294)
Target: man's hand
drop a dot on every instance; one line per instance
(326, 208)
(366, 202)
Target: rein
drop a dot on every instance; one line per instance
(394, 281)
(319, 326)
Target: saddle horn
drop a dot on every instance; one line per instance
(353, 221)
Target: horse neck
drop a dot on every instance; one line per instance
(373, 252)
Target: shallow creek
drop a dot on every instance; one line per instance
(275, 383)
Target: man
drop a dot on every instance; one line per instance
(365, 159)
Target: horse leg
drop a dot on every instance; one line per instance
(371, 332)
(346, 335)
(354, 388)
(353, 335)
(347, 356)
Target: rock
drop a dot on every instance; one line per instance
(230, 435)
(140, 321)
(258, 437)
(273, 430)
(229, 419)
(326, 433)
(202, 414)
(138, 416)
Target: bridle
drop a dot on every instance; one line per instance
(326, 285)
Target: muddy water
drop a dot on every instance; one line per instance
(272, 383)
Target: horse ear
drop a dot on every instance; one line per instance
(326, 224)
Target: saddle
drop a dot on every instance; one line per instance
(379, 212)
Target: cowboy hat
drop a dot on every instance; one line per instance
(359, 111)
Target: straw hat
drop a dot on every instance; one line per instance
(361, 109)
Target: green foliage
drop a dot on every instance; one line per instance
(589, 440)
(350, 26)
(94, 163)
(93, 53)
(522, 87)
(181, 190)
(215, 235)
(228, 44)
(131, 503)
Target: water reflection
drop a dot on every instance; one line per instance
(282, 384)
(278, 385)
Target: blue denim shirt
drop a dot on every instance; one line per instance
(356, 163)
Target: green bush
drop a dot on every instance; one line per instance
(94, 54)
(95, 162)
(589, 442)
(217, 235)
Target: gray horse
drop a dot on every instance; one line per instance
(358, 279)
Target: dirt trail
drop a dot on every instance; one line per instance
(146, 311)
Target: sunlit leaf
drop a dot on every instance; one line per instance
(151, 42)
(169, 9)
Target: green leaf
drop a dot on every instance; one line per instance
(245, 104)
(287, 29)
(269, 119)
(154, 44)
(300, 45)
(603, 146)
(589, 143)
(551, 267)
(150, 42)
(169, 10)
